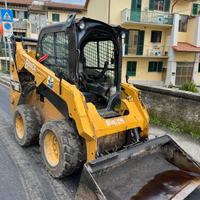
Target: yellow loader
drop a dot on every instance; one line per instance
(68, 96)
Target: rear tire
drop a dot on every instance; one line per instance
(62, 148)
(27, 124)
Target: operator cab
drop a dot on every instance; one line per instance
(86, 53)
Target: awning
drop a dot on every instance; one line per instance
(186, 47)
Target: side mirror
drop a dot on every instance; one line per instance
(127, 78)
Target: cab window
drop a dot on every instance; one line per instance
(55, 46)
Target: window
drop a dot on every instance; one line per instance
(55, 17)
(161, 5)
(184, 72)
(134, 42)
(131, 68)
(56, 46)
(14, 13)
(96, 54)
(155, 66)
(196, 9)
(156, 36)
(21, 15)
(183, 22)
(25, 14)
(199, 68)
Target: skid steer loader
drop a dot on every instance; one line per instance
(68, 96)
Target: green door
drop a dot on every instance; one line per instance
(136, 10)
(140, 44)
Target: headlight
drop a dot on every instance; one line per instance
(82, 25)
(123, 35)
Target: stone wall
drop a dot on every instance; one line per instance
(173, 107)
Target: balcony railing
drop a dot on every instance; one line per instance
(20, 25)
(147, 17)
(146, 50)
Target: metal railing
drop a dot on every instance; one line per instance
(145, 50)
(20, 25)
(147, 17)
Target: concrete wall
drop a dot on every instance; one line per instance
(190, 35)
(98, 9)
(116, 8)
(185, 56)
(181, 109)
(184, 7)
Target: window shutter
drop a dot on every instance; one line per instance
(25, 15)
(167, 5)
(151, 66)
(14, 14)
(151, 4)
(195, 9)
(140, 44)
(133, 5)
(199, 68)
(160, 66)
(126, 42)
(153, 38)
(131, 68)
(55, 17)
(134, 68)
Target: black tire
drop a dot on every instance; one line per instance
(71, 148)
(31, 122)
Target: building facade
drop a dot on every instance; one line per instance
(163, 40)
(32, 15)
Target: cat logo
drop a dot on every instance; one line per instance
(115, 121)
(29, 66)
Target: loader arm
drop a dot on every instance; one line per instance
(76, 109)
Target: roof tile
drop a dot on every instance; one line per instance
(22, 2)
(64, 6)
(186, 47)
(49, 4)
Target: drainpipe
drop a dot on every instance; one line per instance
(109, 5)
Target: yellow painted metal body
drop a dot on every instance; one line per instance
(89, 123)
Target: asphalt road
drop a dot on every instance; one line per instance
(23, 175)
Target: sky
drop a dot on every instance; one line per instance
(82, 2)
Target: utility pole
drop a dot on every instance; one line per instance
(4, 39)
(6, 5)
(7, 41)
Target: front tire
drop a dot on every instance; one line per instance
(62, 148)
(27, 124)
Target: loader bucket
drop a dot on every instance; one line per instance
(157, 169)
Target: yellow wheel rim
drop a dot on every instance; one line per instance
(19, 126)
(51, 149)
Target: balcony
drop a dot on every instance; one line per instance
(153, 51)
(20, 26)
(146, 17)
